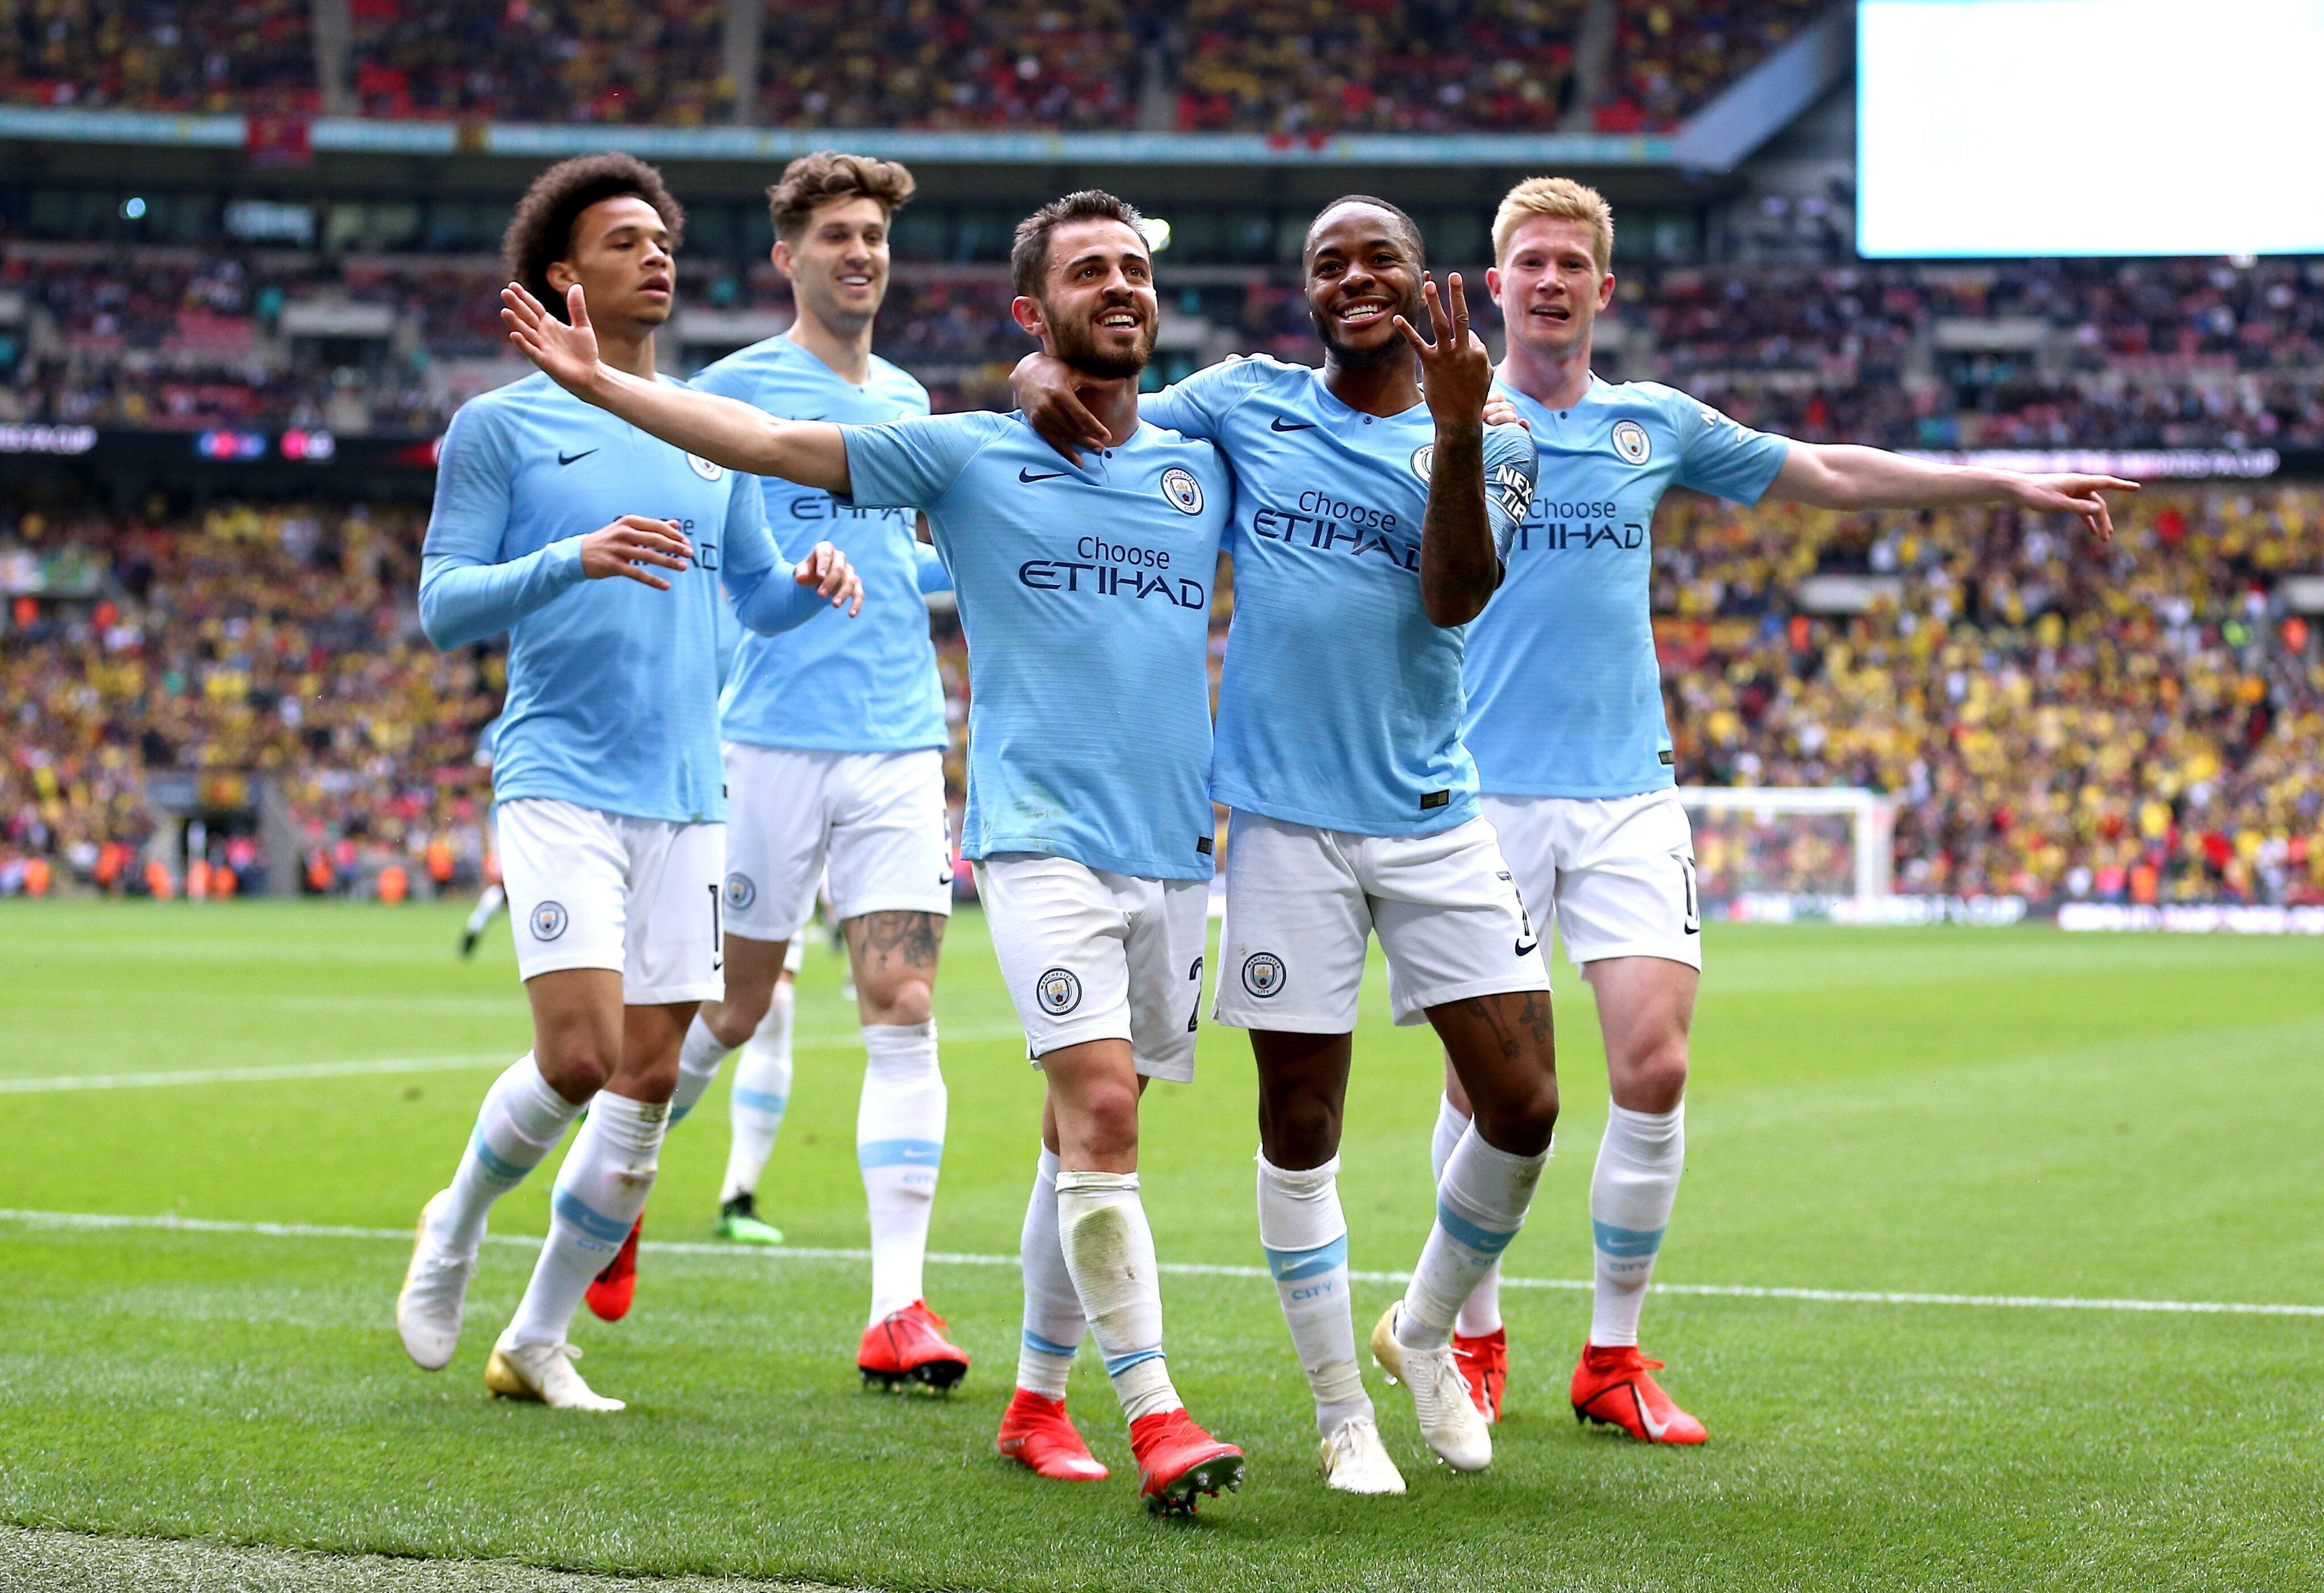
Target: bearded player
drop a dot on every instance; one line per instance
(1565, 721)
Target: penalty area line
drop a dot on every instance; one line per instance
(307, 1230)
(384, 1065)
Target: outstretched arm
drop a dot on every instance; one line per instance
(722, 431)
(1827, 475)
(1460, 565)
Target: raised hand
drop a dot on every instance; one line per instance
(566, 350)
(2073, 494)
(1456, 374)
(633, 541)
(826, 569)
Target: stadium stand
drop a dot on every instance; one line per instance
(2095, 353)
(1288, 67)
(2059, 719)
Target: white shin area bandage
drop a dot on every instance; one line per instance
(1110, 1252)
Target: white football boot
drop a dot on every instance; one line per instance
(434, 1294)
(1448, 1418)
(1355, 1462)
(543, 1372)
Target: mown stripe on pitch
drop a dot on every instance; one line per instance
(307, 1230)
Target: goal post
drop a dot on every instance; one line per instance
(1831, 843)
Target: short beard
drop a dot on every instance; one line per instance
(846, 322)
(1076, 345)
(1414, 313)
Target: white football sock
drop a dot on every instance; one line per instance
(600, 1190)
(520, 1122)
(1630, 1199)
(1306, 1237)
(486, 906)
(1481, 1312)
(698, 1057)
(899, 1133)
(1053, 1323)
(1110, 1251)
(763, 1089)
(1480, 1205)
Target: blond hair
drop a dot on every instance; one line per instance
(1563, 198)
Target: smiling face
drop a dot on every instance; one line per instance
(1549, 286)
(838, 262)
(620, 252)
(1097, 310)
(1364, 268)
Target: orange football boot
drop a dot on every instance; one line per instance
(908, 1345)
(611, 1290)
(1484, 1362)
(1036, 1431)
(1612, 1387)
(1177, 1460)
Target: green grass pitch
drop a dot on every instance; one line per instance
(1989, 1112)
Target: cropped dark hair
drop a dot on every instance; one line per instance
(1029, 257)
(813, 181)
(541, 232)
(1404, 224)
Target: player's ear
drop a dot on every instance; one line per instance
(560, 277)
(782, 255)
(1027, 313)
(1606, 291)
(1493, 281)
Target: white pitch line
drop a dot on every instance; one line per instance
(305, 1231)
(380, 1065)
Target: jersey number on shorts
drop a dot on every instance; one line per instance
(717, 933)
(1694, 906)
(1195, 1017)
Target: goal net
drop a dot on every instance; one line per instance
(1806, 847)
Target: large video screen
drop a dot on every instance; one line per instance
(2060, 127)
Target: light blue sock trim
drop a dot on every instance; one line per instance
(900, 1153)
(679, 1114)
(758, 1101)
(1115, 1365)
(1625, 1244)
(1290, 1267)
(594, 1225)
(498, 1166)
(1484, 1240)
(1040, 1346)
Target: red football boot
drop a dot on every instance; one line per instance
(1611, 1386)
(1035, 1429)
(611, 1290)
(1176, 1461)
(1484, 1362)
(908, 1345)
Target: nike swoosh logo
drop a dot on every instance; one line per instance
(563, 458)
(1026, 475)
(1276, 425)
(1646, 1418)
(1525, 947)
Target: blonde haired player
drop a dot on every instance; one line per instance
(1565, 721)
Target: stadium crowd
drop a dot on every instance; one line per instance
(1288, 67)
(2057, 719)
(2113, 354)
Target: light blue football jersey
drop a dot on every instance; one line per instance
(1564, 692)
(613, 686)
(864, 685)
(1086, 597)
(1340, 705)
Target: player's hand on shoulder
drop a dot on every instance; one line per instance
(1499, 411)
(1456, 374)
(2083, 495)
(631, 543)
(566, 350)
(1048, 390)
(826, 569)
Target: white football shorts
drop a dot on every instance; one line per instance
(1088, 954)
(592, 890)
(1301, 902)
(873, 822)
(1615, 873)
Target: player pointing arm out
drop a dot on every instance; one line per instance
(1565, 720)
